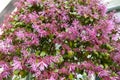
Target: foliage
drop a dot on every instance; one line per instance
(58, 39)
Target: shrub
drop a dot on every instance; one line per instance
(58, 39)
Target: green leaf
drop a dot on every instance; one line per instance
(23, 73)
(16, 72)
(16, 78)
(56, 70)
(71, 76)
(107, 46)
(37, 53)
(52, 65)
(43, 53)
(70, 53)
(61, 59)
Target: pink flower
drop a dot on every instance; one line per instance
(41, 65)
(34, 39)
(52, 78)
(72, 33)
(115, 78)
(110, 25)
(62, 78)
(41, 32)
(66, 47)
(19, 4)
(40, 36)
(72, 67)
(31, 59)
(17, 65)
(20, 34)
(116, 37)
(25, 53)
(118, 73)
(33, 16)
(102, 8)
(6, 46)
(63, 70)
(31, 1)
(117, 19)
(103, 74)
(83, 10)
(24, 18)
(92, 33)
(116, 57)
(87, 65)
(5, 70)
(37, 73)
(64, 16)
(56, 59)
(33, 64)
(34, 67)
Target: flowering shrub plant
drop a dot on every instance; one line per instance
(59, 39)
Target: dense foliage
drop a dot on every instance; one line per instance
(60, 40)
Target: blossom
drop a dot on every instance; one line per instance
(116, 37)
(83, 10)
(37, 73)
(42, 65)
(31, 1)
(19, 4)
(21, 34)
(25, 53)
(87, 65)
(63, 70)
(34, 67)
(33, 16)
(41, 32)
(72, 67)
(32, 62)
(52, 78)
(5, 70)
(6, 46)
(72, 33)
(91, 75)
(24, 18)
(116, 57)
(117, 19)
(102, 9)
(52, 38)
(34, 39)
(17, 65)
(1, 31)
(103, 74)
(110, 25)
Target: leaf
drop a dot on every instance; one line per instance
(16, 78)
(23, 73)
(52, 65)
(70, 53)
(37, 53)
(56, 70)
(29, 77)
(91, 19)
(43, 53)
(16, 72)
(71, 76)
(107, 46)
(97, 78)
(61, 59)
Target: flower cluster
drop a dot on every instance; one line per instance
(58, 39)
